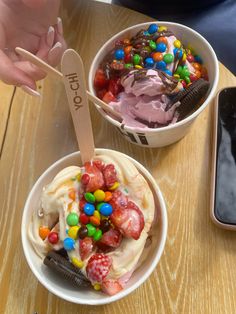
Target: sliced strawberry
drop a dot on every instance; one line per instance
(111, 286)
(115, 86)
(100, 80)
(96, 178)
(110, 240)
(108, 97)
(109, 174)
(101, 93)
(99, 164)
(98, 267)
(85, 247)
(129, 220)
(118, 199)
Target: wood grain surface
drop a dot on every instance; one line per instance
(196, 273)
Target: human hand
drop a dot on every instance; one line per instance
(34, 26)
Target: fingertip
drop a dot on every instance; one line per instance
(30, 91)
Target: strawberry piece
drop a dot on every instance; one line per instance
(100, 80)
(110, 240)
(108, 97)
(111, 286)
(98, 267)
(96, 178)
(129, 220)
(101, 93)
(109, 174)
(82, 202)
(85, 247)
(115, 86)
(99, 164)
(118, 199)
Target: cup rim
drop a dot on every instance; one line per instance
(123, 293)
(170, 126)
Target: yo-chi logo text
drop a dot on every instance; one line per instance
(74, 86)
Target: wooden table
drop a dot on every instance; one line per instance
(196, 273)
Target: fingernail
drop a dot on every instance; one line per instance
(50, 36)
(30, 91)
(55, 47)
(59, 26)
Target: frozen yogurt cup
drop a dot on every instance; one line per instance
(152, 113)
(146, 246)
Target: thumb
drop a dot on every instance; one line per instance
(12, 75)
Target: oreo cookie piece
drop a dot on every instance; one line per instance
(190, 98)
(63, 267)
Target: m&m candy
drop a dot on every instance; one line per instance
(161, 47)
(72, 219)
(153, 28)
(43, 232)
(91, 230)
(73, 232)
(149, 63)
(69, 244)
(161, 65)
(119, 54)
(168, 58)
(89, 197)
(83, 218)
(89, 209)
(106, 209)
(97, 235)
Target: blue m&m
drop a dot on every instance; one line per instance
(178, 53)
(106, 209)
(89, 209)
(119, 54)
(168, 72)
(149, 62)
(161, 47)
(161, 65)
(69, 244)
(153, 28)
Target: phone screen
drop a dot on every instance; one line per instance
(225, 188)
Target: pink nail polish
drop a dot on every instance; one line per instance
(59, 26)
(30, 91)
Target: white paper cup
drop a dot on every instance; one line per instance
(172, 133)
(65, 290)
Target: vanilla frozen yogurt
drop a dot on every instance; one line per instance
(100, 214)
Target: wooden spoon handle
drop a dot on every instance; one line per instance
(74, 80)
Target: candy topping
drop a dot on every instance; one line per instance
(53, 237)
(76, 262)
(72, 219)
(89, 197)
(69, 244)
(106, 209)
(43, 232)
(73, 232)
(89, 209)
(153, 28)
(99, 195)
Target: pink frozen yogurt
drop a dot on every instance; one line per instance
(145, 97)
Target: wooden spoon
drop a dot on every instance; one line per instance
(55, 73)
(75, 85)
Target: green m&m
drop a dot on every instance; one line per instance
(72, 219)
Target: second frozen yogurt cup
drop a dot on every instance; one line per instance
(164, 135)
(154, 244)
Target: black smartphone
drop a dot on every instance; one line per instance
(223, 196)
